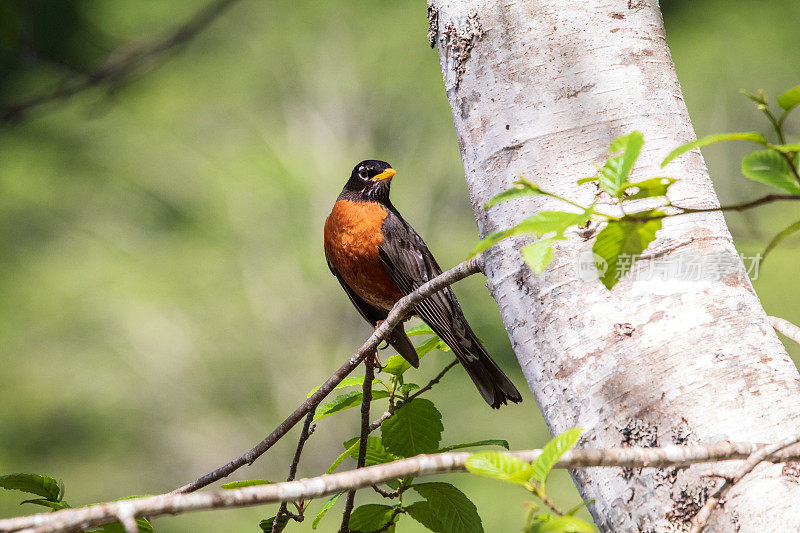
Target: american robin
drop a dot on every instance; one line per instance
(378, 258)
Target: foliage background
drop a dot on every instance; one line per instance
(164, 298)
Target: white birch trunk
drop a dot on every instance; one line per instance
(541, 88)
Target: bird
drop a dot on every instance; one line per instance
(378, 258)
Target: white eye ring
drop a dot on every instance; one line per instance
(362, 173)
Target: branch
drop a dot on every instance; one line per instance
(366, 398)
(768, 199)
(305, 433)
(396, 315)
(122, 62)
(785, 328)
(757, 457)
(153, 506)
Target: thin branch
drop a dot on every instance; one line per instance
(768, 199)
(785, 328)
(388, 524)
(421, 465)
(390, 495)
(305, 433)
(394, 407)
(121, 63)
(396, 315)
(366, 399)
(700, 520)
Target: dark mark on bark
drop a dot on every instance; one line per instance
(687, 504)
(433, 25)
(572, 93)
(637, 432)
(458, 45)
(791, 471)
(619, 15)
(624, 329)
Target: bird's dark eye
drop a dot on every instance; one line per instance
(362, 173)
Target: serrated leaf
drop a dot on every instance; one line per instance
(786, 148)
(538, 254)
(776, 240)
(790, 98)
(266, 525)
(710, 139)
(56, 506)
(617, 168)
(346, 401)
(770, 168)
(415, 428)
(426, 515)
(650, 188)
(552, 452)
(619, 245)
(456, 513)
(502, 466)
(370, 517)
(245, 483)
(488, 442)
(376, 453)
(562, 524)
(325, 508)
(539, 225)
(422, 329)
(519, 188)
(43, 486)
(396, 365)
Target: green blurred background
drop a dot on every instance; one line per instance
(164, 298)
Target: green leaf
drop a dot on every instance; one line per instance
(349, 381)
(710, 139)
(415, 428)
(769, 167)
(488, 442)
(552, 452)
(376, 453)
(43, 486)
(760, 98)
(339, 460)
(346, 401)
(619, 245)
(456, 513)
(325, 508)
(500, 466)
(520, 188)
(539, 224)
(538, 254)
(266, 525)
(587, 180)
(617, 168)
(245, 483)
(405, 388)
(426, 515)
(422, 329)
(786, 148)
(142, 524)
(370, 517)
(56, 506)
(396, 365)
(650, 188)
(790, 98)
(776, 240)
(562, 524)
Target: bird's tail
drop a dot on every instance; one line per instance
(491, 381)
(400, 342)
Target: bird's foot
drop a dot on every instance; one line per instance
(374, 361)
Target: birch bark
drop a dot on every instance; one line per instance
(541, 88)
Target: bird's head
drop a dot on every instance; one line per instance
(370, 180)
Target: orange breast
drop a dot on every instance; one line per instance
(352, 238)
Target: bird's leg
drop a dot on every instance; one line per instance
(376, 361)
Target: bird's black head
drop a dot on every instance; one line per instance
(369, 181)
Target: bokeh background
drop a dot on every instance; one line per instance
(164, 298)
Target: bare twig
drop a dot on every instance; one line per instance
(305, 433)
(394, 407)
(768, 199)
(366, 398)
(634, 457)
(396, 315)
(391, 495)
(390, 521)
(786, 328)
(700, 520)
(121, 63)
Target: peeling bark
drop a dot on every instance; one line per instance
(541, 89)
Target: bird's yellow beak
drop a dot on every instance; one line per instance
(385, 175)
